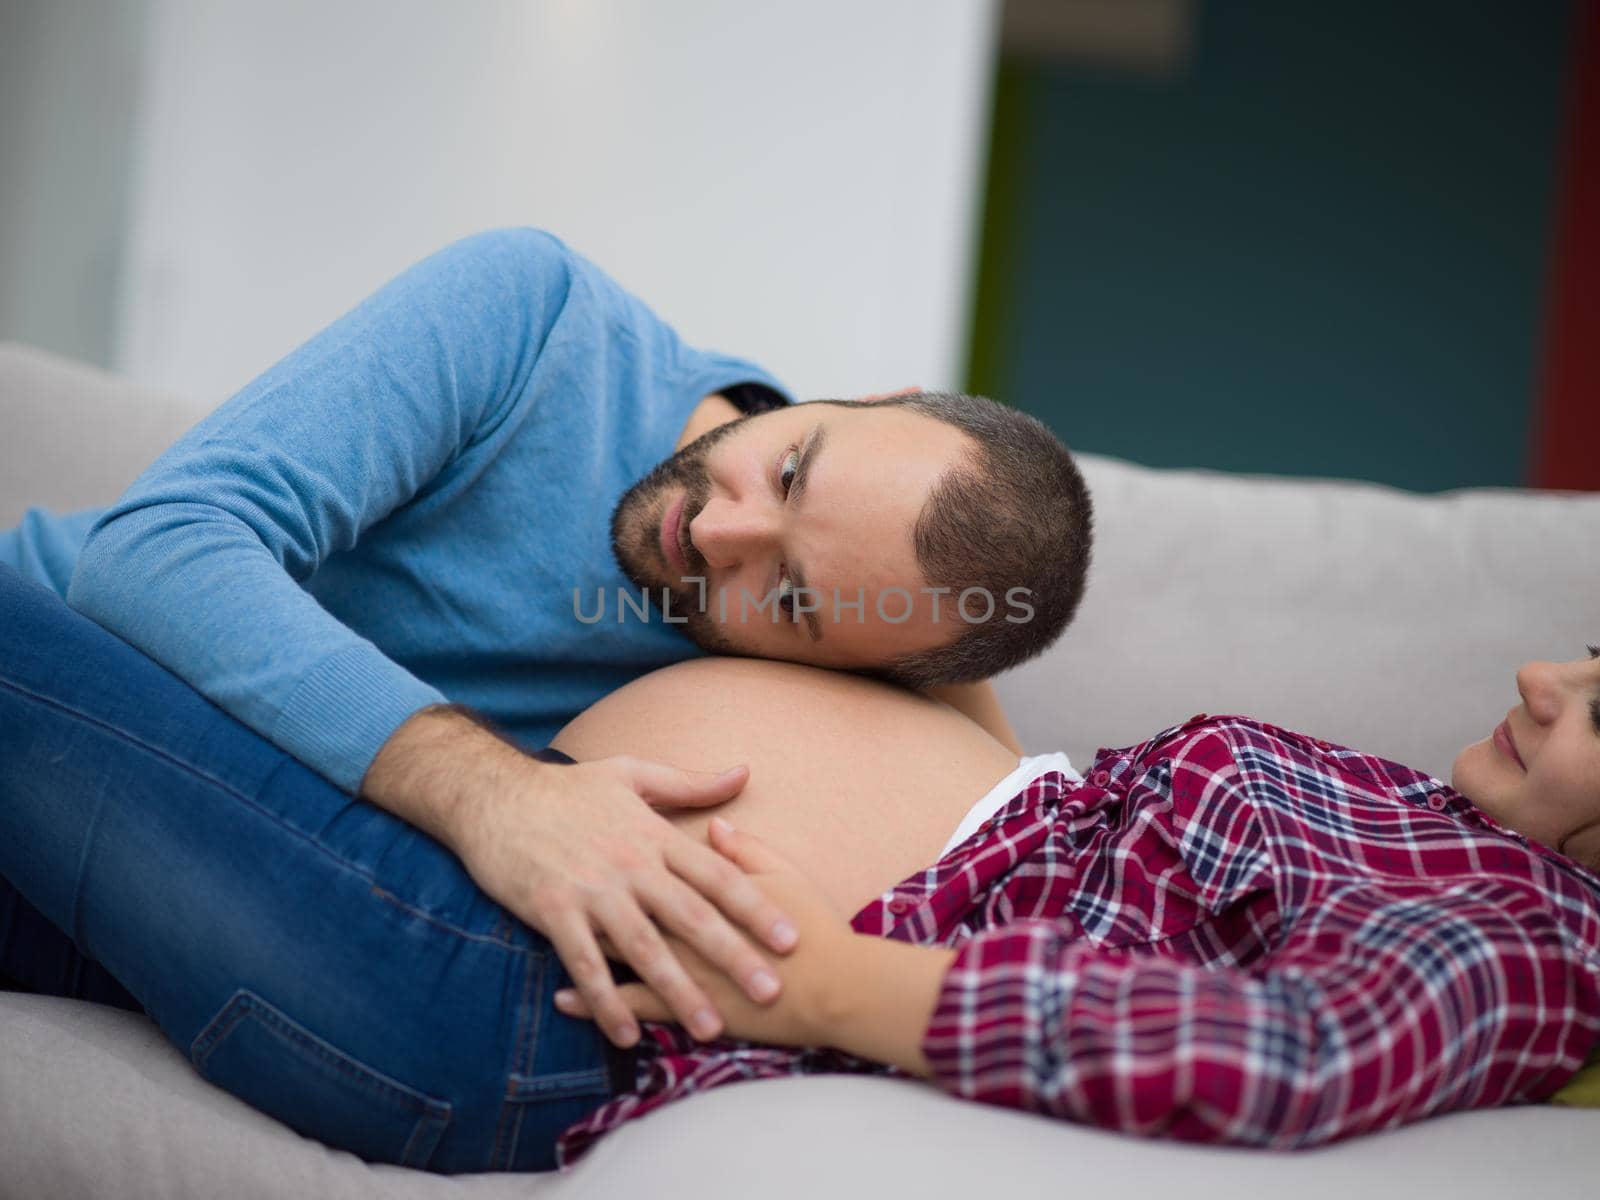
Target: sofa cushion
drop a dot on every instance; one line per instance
(95, 1103)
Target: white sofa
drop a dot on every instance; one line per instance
(1370, 616)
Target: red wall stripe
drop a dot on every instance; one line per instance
(1567, 429)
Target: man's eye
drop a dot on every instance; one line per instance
(786, 595)
(788, 467)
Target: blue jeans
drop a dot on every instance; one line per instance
(320, 959)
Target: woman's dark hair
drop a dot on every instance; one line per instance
(1015, 514)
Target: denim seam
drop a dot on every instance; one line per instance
(527, 1051)
(234, 792)
(520, 1111)
(510, 1112)
(81, 876)
(594, 1081)
(391, 899)
(429, 1128)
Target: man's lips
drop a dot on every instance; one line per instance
(671, 536)
(1504, 744)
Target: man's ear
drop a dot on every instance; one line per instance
(905, 391)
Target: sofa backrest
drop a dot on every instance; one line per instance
(1376, 618)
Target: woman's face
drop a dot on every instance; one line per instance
(1539, 772)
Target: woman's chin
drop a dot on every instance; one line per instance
(1468, 771)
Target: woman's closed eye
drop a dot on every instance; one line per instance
(1594, 704)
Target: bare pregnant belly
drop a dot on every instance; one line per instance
(858, 783)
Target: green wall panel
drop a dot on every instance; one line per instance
(1320, 249)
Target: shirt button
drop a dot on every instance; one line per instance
(1436, 800)
(899, 906)
(1100, 778)
(1197, 717)
(1322, 745)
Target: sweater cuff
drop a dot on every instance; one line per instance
(341, 713)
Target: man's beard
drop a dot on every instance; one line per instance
(635, 541)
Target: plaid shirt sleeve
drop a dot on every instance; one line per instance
(1385, 1009)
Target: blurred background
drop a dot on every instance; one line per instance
(1357, 239)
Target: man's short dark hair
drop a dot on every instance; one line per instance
(1015, 514)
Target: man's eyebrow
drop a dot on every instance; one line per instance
(797, 487)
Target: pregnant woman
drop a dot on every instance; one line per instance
(1227, 933)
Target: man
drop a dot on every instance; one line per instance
(412, 509)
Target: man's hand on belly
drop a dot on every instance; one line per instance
(577, 851)
(870, 996)
(815, 986)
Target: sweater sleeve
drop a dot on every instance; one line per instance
(1393, 1010)
(197, 563)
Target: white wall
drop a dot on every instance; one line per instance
(798, 183)
(69, 78)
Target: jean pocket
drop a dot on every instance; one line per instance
(280, 1067)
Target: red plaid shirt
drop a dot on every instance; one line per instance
(1229, 933)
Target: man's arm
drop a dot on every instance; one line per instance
(979, 702)
(197, 563)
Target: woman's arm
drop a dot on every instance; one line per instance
(892, 994)
(1404, 1008)
(1314, 1044)
(1413, 1006)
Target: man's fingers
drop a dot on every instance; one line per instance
(645, 1004)
(574, 943)
(644, 949)
(662, 786)
(696, 922)
(734, 894)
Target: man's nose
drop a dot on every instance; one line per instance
(727, 532)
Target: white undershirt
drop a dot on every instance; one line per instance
(1025, 772)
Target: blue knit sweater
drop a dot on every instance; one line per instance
(397, 513)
